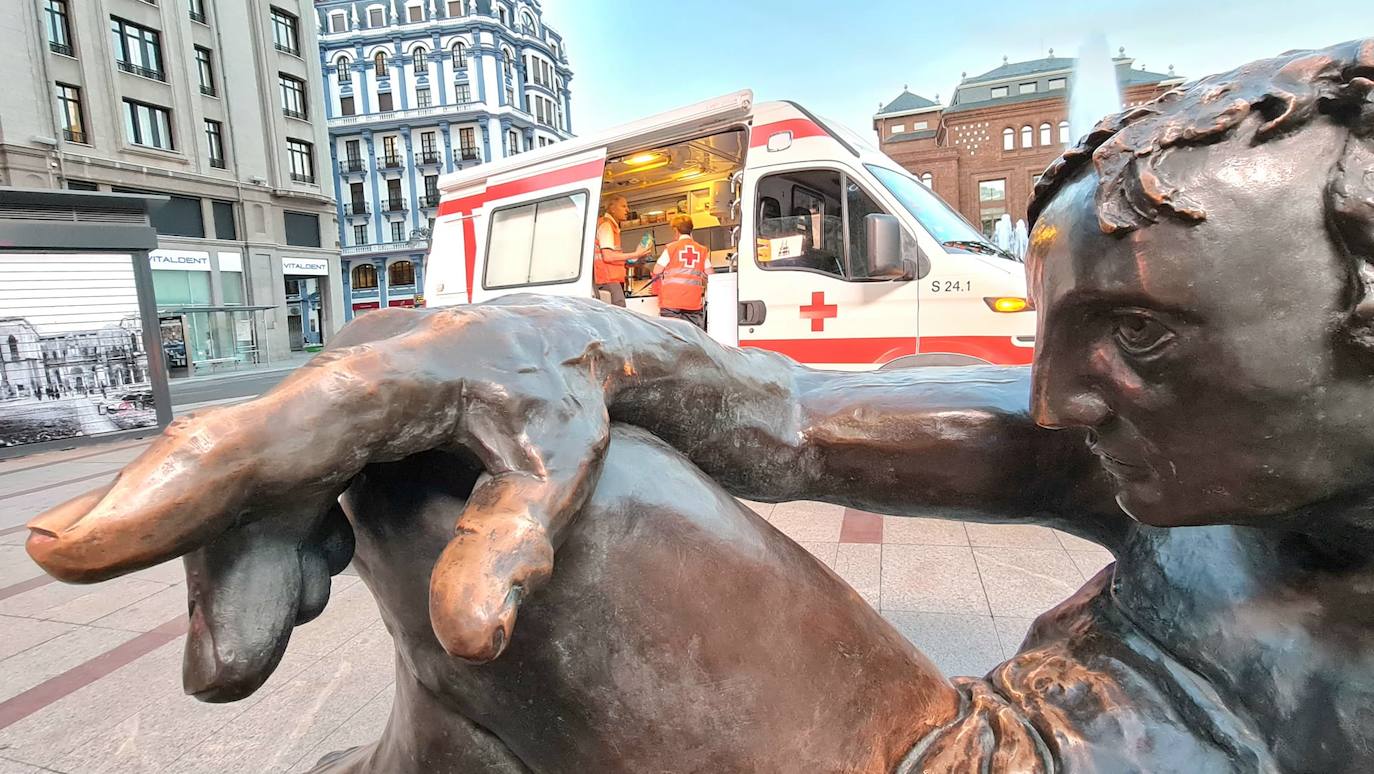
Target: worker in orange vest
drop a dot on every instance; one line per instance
(680, 274)
(608, 264)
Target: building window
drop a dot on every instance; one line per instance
(527, 23)
(512, 142)
(460, 55)
(462, 93)
(1008, 139)
(398, 231)
(919, 126)
(419, 60)
(338, 22)
(928, 179)
(197, 10)
(1026, 136)
(384, 104)
(536, 243)
(467, 146)
(59, 27)
(205, 71)
(148, 125)
(415, 13)
(1027, 88)
(225, 227)
(346, 106)
(302, 229)
(285, 32)
(302, 155)
(353, 152)
(898, 128)
(391, 156)
(431, 190)
(379, 64)
(73, 117)
(364, 274)
(214, 138)
(422, 97)
(429, 149)
(1064, 137)
(293, 100)
(343, 69)
(1056, 84)
(1045, 138)
(999, 91)
(138, 50)
(376, 16)
(992, 190)
(455, 8)
(360, 238)
(501, 14)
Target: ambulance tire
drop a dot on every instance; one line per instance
(932, 359)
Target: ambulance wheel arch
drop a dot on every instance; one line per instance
(927, 359)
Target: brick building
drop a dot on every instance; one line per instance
(984, 151)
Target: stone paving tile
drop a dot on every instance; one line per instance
(364, 727)
(958, 644)
(1090, 563)
(167, 572)
(1011, 631)
(16, 538)
(921, 531)
(932, 579)
(861, 527)
(1012, 535)
(1074, 543)
(350, 609)
(100, 600)
(763, 509)
(860, 564)
(8, 766)
(148, 613)
(12, 481)
(19, 510)
(20, 634)
(16, 566)
(823, 551)
(24, 670)
(274, 733)
(1026, 581)
(816, 522)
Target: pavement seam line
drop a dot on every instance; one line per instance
(57, 484)
(111, 450)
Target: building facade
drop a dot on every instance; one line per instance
(196, 100)
(984, 151)
(415, 89)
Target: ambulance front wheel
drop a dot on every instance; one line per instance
(932, 359)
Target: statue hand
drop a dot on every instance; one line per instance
(250, 491)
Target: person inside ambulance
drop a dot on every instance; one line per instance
(608, 265)
(680, 275)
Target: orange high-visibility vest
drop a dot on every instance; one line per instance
(602, 272)
(682, 283)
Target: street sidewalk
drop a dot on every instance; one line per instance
(90, 676)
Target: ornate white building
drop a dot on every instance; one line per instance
(417, 88)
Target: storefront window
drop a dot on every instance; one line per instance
(232, 284)
(180, 288)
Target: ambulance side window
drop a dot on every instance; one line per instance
(539, 243)
(802, 223)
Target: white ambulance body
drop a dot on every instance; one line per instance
(824, 250)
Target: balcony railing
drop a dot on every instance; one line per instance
(199, 16)
(356, 208)
(302, 178)
(61, 48)
(390, 162)
(287, 49)
(352, 165)
(208, 91)
(429, 157)
(394, 205)
(74, 135)
(289, 113)
(468, 154)
(130, 67)
(429, 201)
(217, 163)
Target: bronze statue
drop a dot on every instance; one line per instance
(1203, 266)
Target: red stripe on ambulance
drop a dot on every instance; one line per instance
(999, 350)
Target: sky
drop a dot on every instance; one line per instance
(841, 58)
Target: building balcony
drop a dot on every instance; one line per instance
(289, 113)
(61, 48)
(352, 165)
(74, 135)
(130, 67)
(197, 16)
(208, 91)
(301, 178)
(429, 201)
(385, 247)
(286, 49)
(356, 208)
(430, 158)
(467, 154)
(389, 162)
(217, 163)
(413, 114)
(394, 205)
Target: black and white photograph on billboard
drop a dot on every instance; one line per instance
(72, 360)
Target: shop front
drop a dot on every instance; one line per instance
(205, 323)
(305, 279)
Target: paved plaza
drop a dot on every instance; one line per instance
(90, 676)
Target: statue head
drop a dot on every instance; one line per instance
(1203, 266)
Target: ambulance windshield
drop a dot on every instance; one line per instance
(932, 213)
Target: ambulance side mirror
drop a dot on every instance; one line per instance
(883, 235)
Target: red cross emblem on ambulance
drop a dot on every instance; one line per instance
(819, 311)
(690, 256)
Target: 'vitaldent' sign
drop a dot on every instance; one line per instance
(309, 266)
(179, 260)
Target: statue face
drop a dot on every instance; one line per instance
(1206, 359)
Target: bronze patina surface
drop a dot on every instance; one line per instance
(1202, 404)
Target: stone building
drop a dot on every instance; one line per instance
(984, 151)
(415, 89)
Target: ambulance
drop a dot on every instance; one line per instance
(823, 249)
